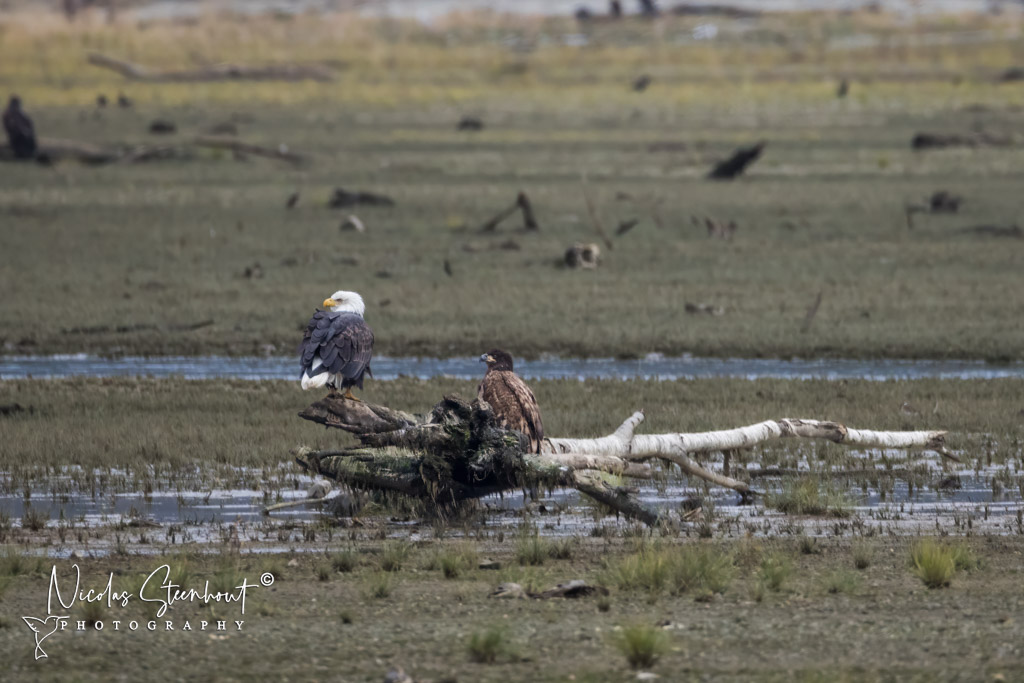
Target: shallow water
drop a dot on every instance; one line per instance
(147, 522)
(384, 368)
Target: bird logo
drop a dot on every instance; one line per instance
(42, 631)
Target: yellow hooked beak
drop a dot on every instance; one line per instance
(330, 303)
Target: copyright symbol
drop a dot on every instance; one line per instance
(267, 579)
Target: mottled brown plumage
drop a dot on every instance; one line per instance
(514, 405)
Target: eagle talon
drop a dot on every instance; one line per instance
(350, 396)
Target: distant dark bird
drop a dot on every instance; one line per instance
(641, 83)
(737, 163)
(123, 101)
(615, 9)
(944, 202)
(162, 127)
(448, 268)
(470, 123)
(101, 101)
(292, 200)
(21, 134)
(844, 88)
(337, 346)
(511, 400)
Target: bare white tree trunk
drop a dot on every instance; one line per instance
(624, 445)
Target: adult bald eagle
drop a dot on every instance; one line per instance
(20, 132)
(337, 345)
(512, 401)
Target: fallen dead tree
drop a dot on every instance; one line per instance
(215, 72)
(51, 150)
(456, 453)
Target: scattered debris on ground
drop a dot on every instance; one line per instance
(470, 123)
(708, 309)
(342, 198)
(582, 255)
(521, 204)
(352, 222)
(978, 139)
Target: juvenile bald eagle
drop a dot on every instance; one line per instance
(512, 401)
(337, 345)
(20, 133)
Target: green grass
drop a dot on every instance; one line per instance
(841, 581)
(809, 496)
(532, 548)
(456, 561)
(818, 213)
(863, 554)
(380, 585)
(702, 570)
(641, 645)
(934, 563)
(776, 568)
(393, 556)
(489, 645)
(199, 432)
(344, 561)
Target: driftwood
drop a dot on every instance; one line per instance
(343, 199)
(521, 204)
(215, 72)
(942, 140)
(456, 453)
(229, 143)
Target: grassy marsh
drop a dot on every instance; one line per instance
(138, 253)
(823, 624)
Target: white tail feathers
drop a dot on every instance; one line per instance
(314, 382)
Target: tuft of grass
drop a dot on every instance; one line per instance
(92, 612)
(841, 581)
(807, 496)
(703, 569)
(323, 571)
(964, 558)
(393, 556)
(863, 554)
(487, 646)
(344, 561)
(641, 644)
(647, 570)
(532, 550)
(33, 520)
(13, 563)
(226, 578)
(346, 616)
(934, 563)
(775, 570)
(809, 545)
(454, 562)
(562, 549)
(380, 585)
(274, 565)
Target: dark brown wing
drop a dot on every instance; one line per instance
(514, 405)
(342, 341)
(20, 133)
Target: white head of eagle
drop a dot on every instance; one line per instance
(345, 302)
(337, 346)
